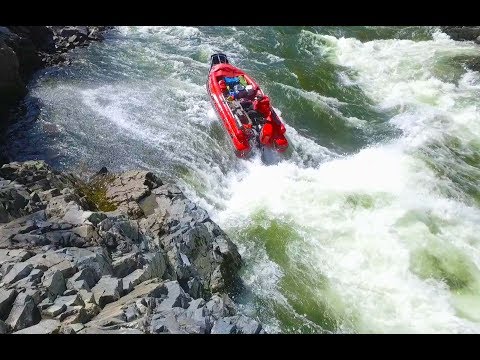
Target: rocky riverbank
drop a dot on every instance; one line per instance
(122, 253)
(26, 49)
(468, 33)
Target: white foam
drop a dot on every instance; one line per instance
(350, 209)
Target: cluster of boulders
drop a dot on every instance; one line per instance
(155, 264)
(25, 49)
(68, 37)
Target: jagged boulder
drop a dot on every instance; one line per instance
(127, 189)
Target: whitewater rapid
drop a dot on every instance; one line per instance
(379, 239)
(375, 224)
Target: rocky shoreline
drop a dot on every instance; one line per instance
(459, 33)
(152, 262)
(26, 49)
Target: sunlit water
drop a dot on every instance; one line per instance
(371, 221)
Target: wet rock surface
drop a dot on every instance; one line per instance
(26, 49)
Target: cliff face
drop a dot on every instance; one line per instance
(26, 49)
(153, 262)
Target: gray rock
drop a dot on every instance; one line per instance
(3, 327)
(88, 275)
(156, 265)
(14, 197)
(36, 294)
(179, 321)
(95, 330)
(4, 256)
(74, 314)
(196, 304)
(195, 288)
(127, 286)
(45, 303)
(34, 197)
(7, 297)
(142, 309)
(222, 326)
(469, 33)
(17, 272)
(166, 323)
(132, 186)
(217, 282)
(66, 267)
(24, 313)
(124, 229)
(73, 328)
(55, 309)
(71, 300)
(135, 278)
(46, 260)
(96, 217)
(148, 204)
(36, 274)
(92, 310)
(107, 290)
(30, 240)
(199, 322)
(219, 306)
(114, 310)
(6, 267)
(48, 326)
(68, 211)
(176, 297)
(245, 325)
(87, 296)
(78, 285)
(65, 238)
(124, 265)
(21, 225)
(131, 312)
(48, 194)
(20, 255)
(54, 283)
(69, 292)
(86, 231)
(97, 260)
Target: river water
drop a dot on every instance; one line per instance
(369, 224)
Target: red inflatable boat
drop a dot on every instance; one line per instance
(244, 109)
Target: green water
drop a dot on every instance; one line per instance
(369, 224)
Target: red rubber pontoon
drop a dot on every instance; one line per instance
(264, 130)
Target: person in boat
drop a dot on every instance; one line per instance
(223, 86)
(258, 109)
(251, 95)
(261, 104)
